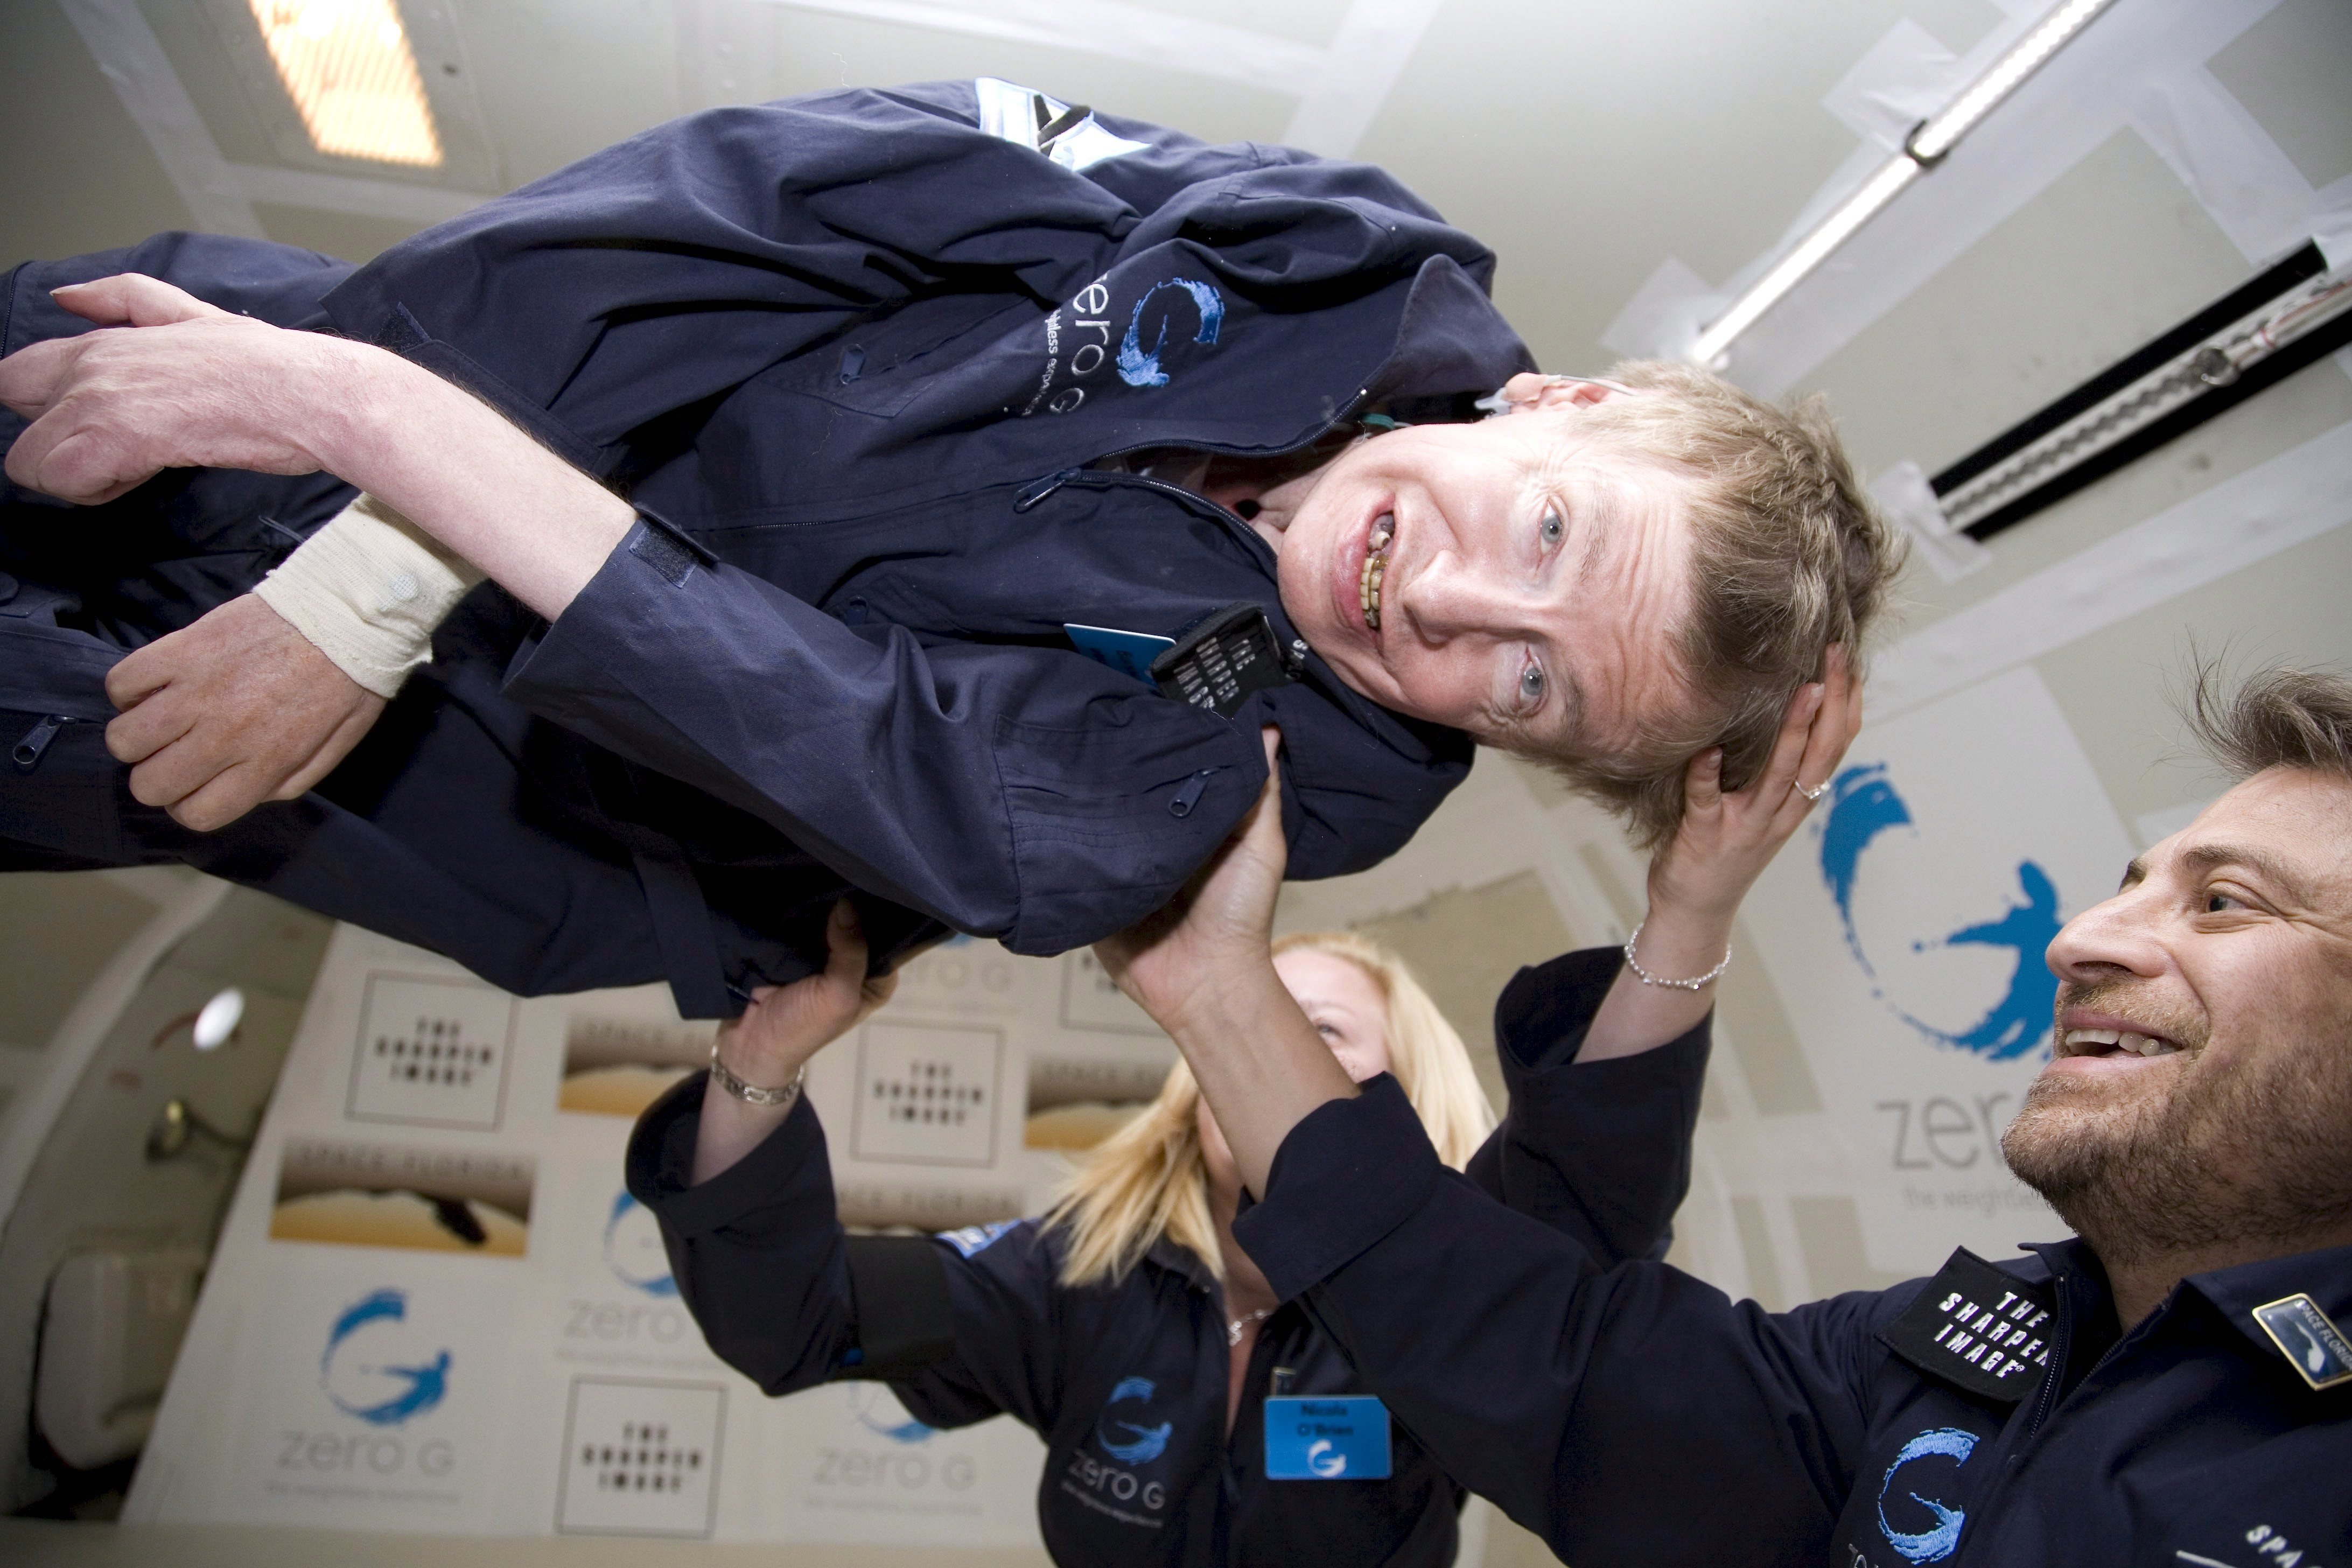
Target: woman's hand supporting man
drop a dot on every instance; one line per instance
(1202, 967)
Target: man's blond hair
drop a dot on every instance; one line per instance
(1788, 557)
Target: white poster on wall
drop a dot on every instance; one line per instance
(1904, 930)
(435, 1306)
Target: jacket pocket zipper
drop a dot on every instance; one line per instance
(29, 751)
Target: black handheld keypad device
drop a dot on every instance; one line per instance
(1218, 662)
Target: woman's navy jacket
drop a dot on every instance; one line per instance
(854, 348)
(1127, 1382)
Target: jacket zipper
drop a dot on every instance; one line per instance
(29, 751)
(2045, 1404)
(1036, 491)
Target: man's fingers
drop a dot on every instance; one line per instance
(58, 457)
(139, 675)
(30, 377)
(132, 300)
(137, 733)
(220, 800)
(172, 773)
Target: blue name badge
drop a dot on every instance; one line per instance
(1129, 653)
(1340, 1438)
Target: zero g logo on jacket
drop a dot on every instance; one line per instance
(1130, 1442)
(1864, 808)
(1937, 1541)
(1078, 339)
(372, 1367)
(1140, 366)
(633, 1249)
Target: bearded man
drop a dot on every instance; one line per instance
(2172, 1387)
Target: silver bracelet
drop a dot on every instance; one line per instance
(751, 1093)
(1646, 978)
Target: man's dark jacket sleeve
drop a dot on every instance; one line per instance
(1631, 1414)
(664, 271)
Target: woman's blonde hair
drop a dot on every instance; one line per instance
(1148, 1179)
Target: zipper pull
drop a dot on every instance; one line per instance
(1190, 795)
(1029, 495)
(28, 754)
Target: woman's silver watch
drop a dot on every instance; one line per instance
(751, 1093)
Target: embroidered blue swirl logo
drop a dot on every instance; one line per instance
(1140, 1445)
(1935, 1545)
(866, 1408)
(379, 1392)
(1140, 366)
(633, 1249)
(1863, 806)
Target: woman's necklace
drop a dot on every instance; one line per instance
(1235, 1327)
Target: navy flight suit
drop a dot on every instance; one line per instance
(1127, 1383)
(859, 353)
(1994, 1416)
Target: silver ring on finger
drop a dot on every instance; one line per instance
(1814, 794)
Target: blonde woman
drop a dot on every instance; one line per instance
(1125, 1325)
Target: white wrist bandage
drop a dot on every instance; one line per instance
(367, 594)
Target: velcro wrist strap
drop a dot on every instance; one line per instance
(366, 596)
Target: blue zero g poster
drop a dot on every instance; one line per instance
(1903, 931)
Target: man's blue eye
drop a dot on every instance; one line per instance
(1553, 528)
(1532, 683)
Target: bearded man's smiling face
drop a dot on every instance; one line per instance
(2200, 1086)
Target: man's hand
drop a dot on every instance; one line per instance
(235, 709)
(178, 384)
(1224, 918)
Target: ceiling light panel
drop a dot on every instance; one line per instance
(347, 66)
(374, 90)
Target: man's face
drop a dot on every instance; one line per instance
(1532, 587)
(2201, 1087)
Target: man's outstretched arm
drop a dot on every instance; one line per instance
(193, 386)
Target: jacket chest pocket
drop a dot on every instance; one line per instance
(884, 364)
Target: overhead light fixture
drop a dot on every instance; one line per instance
(347, 66)
(1924, 148)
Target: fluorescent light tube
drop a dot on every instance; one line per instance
(1934, 139)
(1926, 147)
(1809, 253)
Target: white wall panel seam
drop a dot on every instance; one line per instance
(133, 60)
(1368, 53)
